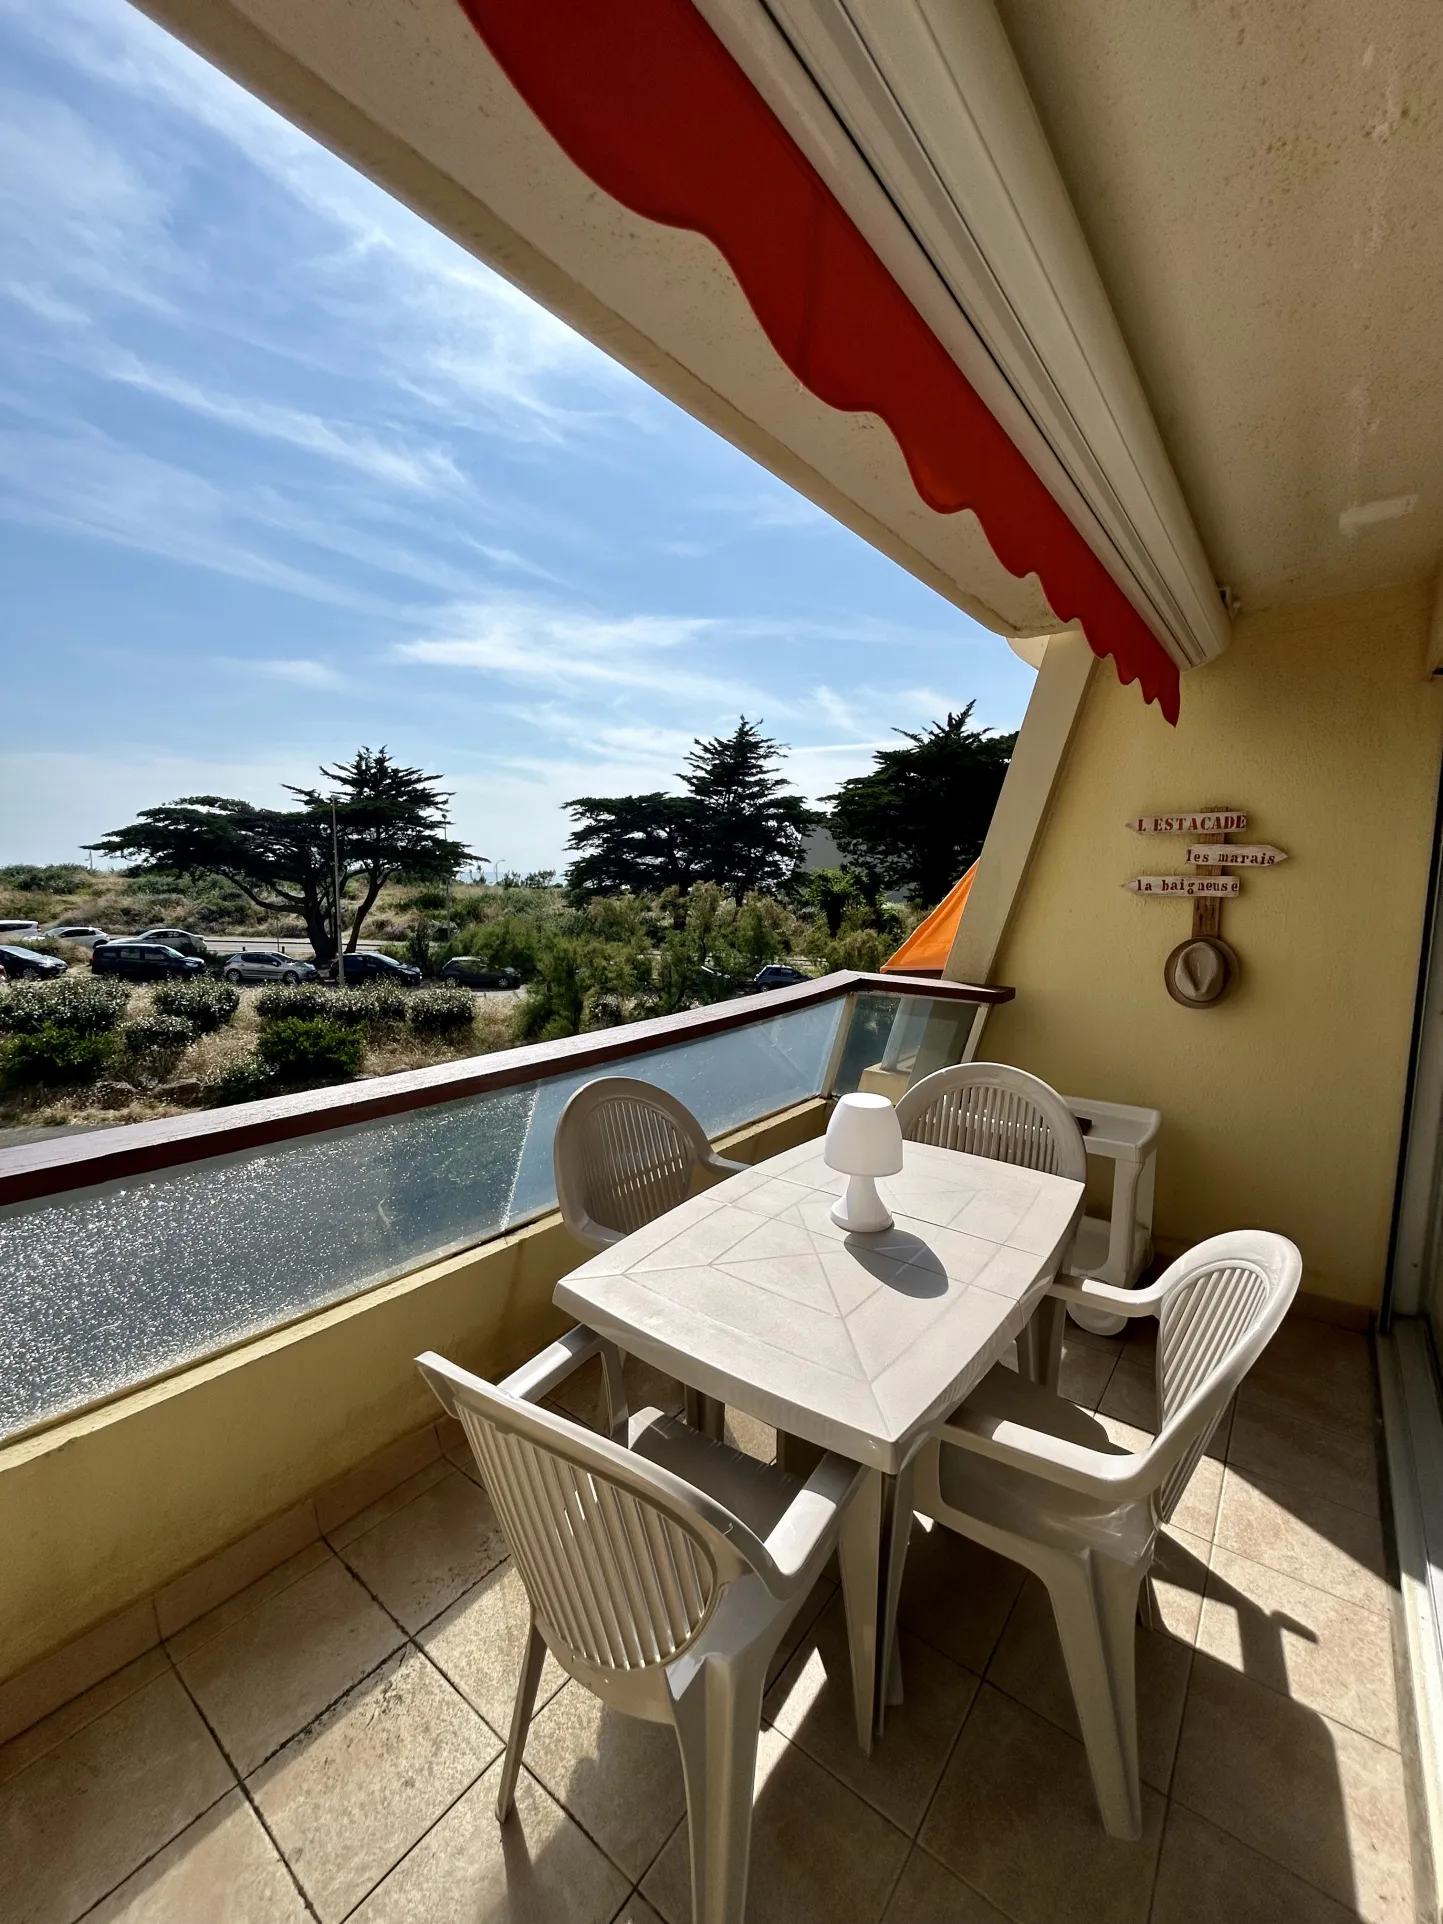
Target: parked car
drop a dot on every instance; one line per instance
(180, 939)
(144, 961)
(365, 966)
(28, 965)
(263, 965)
(10, 929)
(778, 975)
(81, 934)
(472, 974)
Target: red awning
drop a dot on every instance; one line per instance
(645, 99)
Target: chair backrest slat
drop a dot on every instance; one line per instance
(625, 1153)
(991, 1109)
(622, 1575)
(1222, 1302)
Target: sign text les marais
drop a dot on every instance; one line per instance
(1192, 885)
(1192, 821)
(1236, 855)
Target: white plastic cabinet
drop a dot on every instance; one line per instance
(1116, 1249)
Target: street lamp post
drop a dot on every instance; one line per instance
(336, 882)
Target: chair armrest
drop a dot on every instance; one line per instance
(723, 1166)
(1119, 1302)
(810, 1515)
(1111, 1479)
(555, 1363)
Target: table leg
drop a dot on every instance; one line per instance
(873, 1555)
(1039, 1347)
(859, 1552)
(895, 1535)
(705, 1413)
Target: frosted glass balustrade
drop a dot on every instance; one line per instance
(105, 1288)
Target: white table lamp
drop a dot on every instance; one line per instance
(864, 1141)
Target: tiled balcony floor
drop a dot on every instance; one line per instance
(325, 1744)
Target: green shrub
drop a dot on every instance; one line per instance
(440, 1010)
(433, 895)
(82, 1004)
(58, 878)
(202, 1002)
(380, 1005)
(156, 1035)
(864, 949)
(507, 942)
(244, 1081)
(276, 1002)
(309, 1050)
(53, 1056)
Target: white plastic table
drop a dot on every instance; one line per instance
(750, 1294)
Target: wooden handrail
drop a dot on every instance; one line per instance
(38, 1169)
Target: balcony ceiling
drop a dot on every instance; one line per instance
(1262, 189)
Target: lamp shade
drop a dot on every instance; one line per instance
(864, 1137)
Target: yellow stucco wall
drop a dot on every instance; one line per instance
(1283, 1105)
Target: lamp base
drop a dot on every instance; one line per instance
(860, 1208)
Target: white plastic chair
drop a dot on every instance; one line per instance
(991, 1109)
(624, 1153)
(1038, 1480)
(662, 1574)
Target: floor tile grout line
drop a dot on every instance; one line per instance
(1257, 1849)
(167, 1638)
(1000, 1909)
(416, 1842)
(441, 1463)
(412, 1638)
(125, 1697)
(245, 1792)
(1303, 1583)
(896, 1881)
(312, 1721)
(1167, 1815)
(408, 1642)
(861, 1795)
(656, 1855)
(971, 1711)
(1294, 1489)
(159, 1851)
(1328, 1716)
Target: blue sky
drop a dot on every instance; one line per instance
(282, 471)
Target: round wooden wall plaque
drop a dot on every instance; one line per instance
(1200, 971)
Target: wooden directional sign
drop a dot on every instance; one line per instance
(1195, 821)
(1190, 885)
(1236, 855)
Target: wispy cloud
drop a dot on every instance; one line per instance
(530, 644)
(410, 305)
(421, 468)
(81, 482)
(299, 673)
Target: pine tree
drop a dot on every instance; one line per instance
(749, 828)
(918, 819)
(738, 825)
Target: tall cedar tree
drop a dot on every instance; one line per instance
(736, 825)
(637, 844)
(917, 821)
(389, 823)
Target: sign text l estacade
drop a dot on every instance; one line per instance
(1205, 821)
